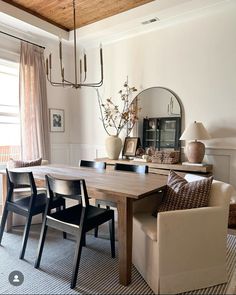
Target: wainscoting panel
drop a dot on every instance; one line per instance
(224, 164)
(85, 152)
(60, 153)
(221, 166)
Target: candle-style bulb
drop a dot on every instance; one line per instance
(80, 66)
(50, 61)
(101, 57)
(47, 66)
(60, 49)
(62, 74)
(85, 63)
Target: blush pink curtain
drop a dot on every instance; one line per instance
(33, 103)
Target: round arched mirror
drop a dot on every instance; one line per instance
(159, 124)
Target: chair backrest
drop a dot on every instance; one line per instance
(220, 193)
(67, 188)
(140, 169)
(93, 164)
(20, 180)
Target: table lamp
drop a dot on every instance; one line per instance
(195, 149)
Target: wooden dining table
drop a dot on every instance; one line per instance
(120, 187)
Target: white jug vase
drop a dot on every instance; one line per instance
(113, 145)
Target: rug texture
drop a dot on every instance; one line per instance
(98, 273)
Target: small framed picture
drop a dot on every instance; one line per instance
(130, 146)
(57, 123)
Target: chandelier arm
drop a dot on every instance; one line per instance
(68, 83)
(85, 76)
(62, 70)
(60, 57)
(89, 85)
(98, 84)
(92, 84)
(58, 83)
(61, 85)
(80, 70)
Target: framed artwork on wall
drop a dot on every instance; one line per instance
(57, 120)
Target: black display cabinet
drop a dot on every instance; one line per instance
(162, 133)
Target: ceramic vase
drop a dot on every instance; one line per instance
(113, 145)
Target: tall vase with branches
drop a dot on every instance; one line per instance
(115, 117)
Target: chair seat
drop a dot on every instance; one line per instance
(39, 205)
(71, 215)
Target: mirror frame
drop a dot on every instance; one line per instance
(180, 105)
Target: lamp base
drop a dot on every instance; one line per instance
(195, 151)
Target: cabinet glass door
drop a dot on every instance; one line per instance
(168, 133)
(161, 133)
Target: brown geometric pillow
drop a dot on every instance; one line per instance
(19, 164)
(181, 194)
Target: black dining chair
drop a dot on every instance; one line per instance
(28, 205)
(97, 166)
(140, 169)
(75, 220)
(93, 164)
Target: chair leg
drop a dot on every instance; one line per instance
(41, 245)
(57, 210)
(96, 232)
(84, 241)
(96, 228)
(3, 223)
(76, 262)
(64, 233)
(25, 236)
(112, 237)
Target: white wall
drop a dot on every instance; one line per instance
(195, 58)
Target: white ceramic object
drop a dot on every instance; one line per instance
(113, 146)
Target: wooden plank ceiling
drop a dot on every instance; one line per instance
(60, 13)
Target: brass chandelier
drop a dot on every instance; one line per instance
(76, 84)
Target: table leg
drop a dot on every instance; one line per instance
(125, 233)
(4, 196)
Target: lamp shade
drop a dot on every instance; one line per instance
(195, 131)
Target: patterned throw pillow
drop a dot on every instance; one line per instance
(181, 194)
(19, 164)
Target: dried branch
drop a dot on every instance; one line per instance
(112, 117)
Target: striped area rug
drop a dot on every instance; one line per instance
(98, 272)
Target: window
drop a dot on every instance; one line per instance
(9, 111)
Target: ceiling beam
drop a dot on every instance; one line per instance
(32, 20)
(36, 14)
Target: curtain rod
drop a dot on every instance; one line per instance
(21, 39)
